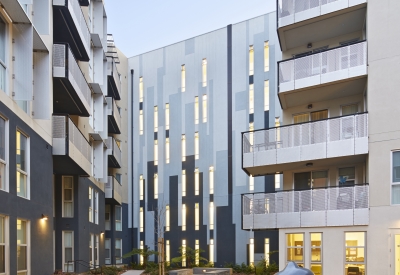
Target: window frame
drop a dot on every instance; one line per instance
(63, 198)
(196, 181)
(115, 218)
(91, 212)
(27, 161)
(167, 110)
(392, 183)
(294, 247)
(155, 119)
(358, 246)
(183, 184)
(196, 216)
(266, 56)
(321, 262)
(141, 219)
(27, 245)
(204, 105)
(96, 207)
(6, 161)
(107, 222)
(266, 95)
(107, 246)
(184, 212)
(211, 215)
(251, 60)
(155, 182)
(355, 174)
(350, 104)
(211, 174)
(196, 110)
(118, 260)
(141, 188)
(183, 78)
(167, 150)
(63, 250)
(167, 218)
(5, 64)
(183, 147)
(196, 145)
(6, 244)
(204, 65)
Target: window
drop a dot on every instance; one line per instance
(118, 251)
(300, 118)
(68, 201)
(141, 188)
(107, 251)
(278, 130)
(3, 145)
(277, 181)
(316, 253)
(313, 116)
(251, 99)
(318, 115)
(251, 60)
(3, 42)
(68, 251)
(3, 246)
(141, 89)
(251, 183)
(155, 186)
(266, 95)
(347, 176)
(266, 250)
(22, 247)
(155, 119)
(251, 252)
(211, 250)
(167, 116)
(183, 217)
(183, 183)
(197, 252)
(183, 145)
(196, 110)
(141, 122)
(167, 150)
(91, 251)
(355, 253)
(251, 134)
(196, 216)
(211, 179)
(141, 221)
(118, 177)
(167, 216)
(91, 202)
(211, 215)
(155, 152)
(396, 177)
(141, 259)
(204, 108)
(108, 217)
(295, 248)
(118, 218)
(266, 56)
(349, 109)
(196, 145)
(22, 165)
(196, 182)
(204, 70)
(183, 253)
(307, 180)
(96, 207)
(183, 78)
(167, 252)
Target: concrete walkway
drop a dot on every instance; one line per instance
(133, 272)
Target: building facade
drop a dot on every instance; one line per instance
(190, 102)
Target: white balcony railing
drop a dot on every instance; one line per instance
(332, 206)
(334, 137)
(113, 189)
(114, 150)
(293, 11)
(113, 71)
(328, 66)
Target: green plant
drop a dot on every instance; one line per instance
(243, 268)
(145, 253)
(106, 270)
(266, 268)
(189, 255)
(151, 268)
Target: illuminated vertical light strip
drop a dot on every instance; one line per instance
(196, 217)
(183, 143)
(183, 183)
(183, 78)
(155, 186)
(211, 179)
(251, 252)
(183, 217)
(196, 182)
(167, 217)
(211, 215)
(141, 225)
(196, 110)
(196, 145)
(141, 188)
(204, 108)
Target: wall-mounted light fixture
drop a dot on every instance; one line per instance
(309, 45)
(309, 164)
(309, 106)
(101, 233)
(45, 217)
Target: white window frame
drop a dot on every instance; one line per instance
(141, 122)
(141, 188)
(91, 248)
(196, 110)
(211, 251)
(348, 166)
(91, 204)
(320, 247)
(166, 116)
(27, 172)
(167, 218)
(365, 251)
(141, 219)
(107, 221)
(118, 221)
(155, 186)
(96, 207)
(183, 253)
(196, 145)
(266, 250)
(107, 246)
(391, 177)
(183, 147)
(183, 183)
(211, 215)
(204, 72)
(302, 263)
(28, 248)
(96, 250)
(63, 198)
(266, 56)
(345, 105)
(5, 64)
(211, 179)
(167, 152)
(251, 60)
(183, 217)
(251, 98)
(155, 119)
(197, 252)
(71, 266)
(141, 89)
(196, 216)
(266, 95)
(118, 260)
(183, 78)
(6, 244)
(5, 161)
(196, 182)
(167, 252)
(251, 251)
(155, 152)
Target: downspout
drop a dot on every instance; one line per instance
(132, 177)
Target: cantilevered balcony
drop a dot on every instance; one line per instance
(114, 117)
(323, 76)
(72, 153)
(114, 83)
(114, 153)
(330, 206)
(307, 21)
(70, 27)
(72, 94)
(294, 146)
(113, 191)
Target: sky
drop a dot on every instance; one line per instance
(140, 26)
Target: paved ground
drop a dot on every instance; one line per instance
(133, 272)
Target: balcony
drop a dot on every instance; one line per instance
(114, 83)
(114, 117)
(71, 27)
(307, 21)
(113, 191)
(72, 94)
(114, 153)
(293, 146)
(323, 76)
(72, 153)
(330, 206)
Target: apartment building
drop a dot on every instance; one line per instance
(62, 136)
(337, 146)
(190, 102)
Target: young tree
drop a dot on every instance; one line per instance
(145, 253)
(190, 255)
(159, 215)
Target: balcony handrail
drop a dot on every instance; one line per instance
(296, 124)
(76, 7)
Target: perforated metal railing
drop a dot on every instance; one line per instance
(116, 76)
(80, 142)
(333, 129)
(116, 151)
(80, 22)
(320, 66)
(78, 76)
(112, 106)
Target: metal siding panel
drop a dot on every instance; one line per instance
(41, 87)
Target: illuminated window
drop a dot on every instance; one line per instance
(196, 182)
(355, 253)
(167, 225)
(167, 252)
(278, 131)
(167, 116)
(155, 152)
(211, 215)
(23, 253)
(251, 183)
(251, 252)
(196, 145)
(141, 258)
(266, 95)
(204, 70)
(183, 183)
(183, 253)
(141, 122)
(22, 165)
(266, 250)
(96, 207)
(167, 150)
(3, 244)
(251, 99)
(183, 78)
(197, 252)
(141, 188)
(316, 253)
(141, 89)
(277, 181)
(183, 145)
(68, 199)
(155, 186)
(211, 179)
(211, 251)
(204, 108)
(295, 248)
(196, 217)
(155, 118)
(251, 60)
(266, 56)
(183, 217)
(251, 134)
(141, 219)
(118, 218)
(91, 201)
(196, 110)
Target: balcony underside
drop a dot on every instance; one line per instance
(113, 127)
(65, 31)
(323, 27)
(114, 199)
(112, 90)
(66, 100)
(323, 92)
(84, 3)
(65, 165)
(113, 162)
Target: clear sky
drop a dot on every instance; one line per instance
(140, 26)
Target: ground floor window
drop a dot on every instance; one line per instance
(107, 251)
(22, 247)
(3, 246)
(68, 251)
(316, 253)
(355, 253)
(118, 251)
(295, 248)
